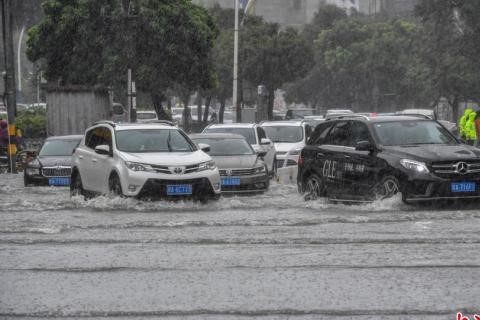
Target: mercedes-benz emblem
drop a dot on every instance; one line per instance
(462, 167)
(228, 172)
(178, 170)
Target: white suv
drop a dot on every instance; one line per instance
(149, 160)
(255, 136)
(289, 138)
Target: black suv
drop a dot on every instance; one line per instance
(357, 158)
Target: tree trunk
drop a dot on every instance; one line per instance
(455, 104)
(222, 110)
(199, 107)
(208, 100)
(271, 99)
(186, 116)
(157, 100)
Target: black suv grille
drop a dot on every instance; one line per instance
(456, 168)
(56, 171)
(237, 172)
(157, 188)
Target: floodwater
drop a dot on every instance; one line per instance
(272, 256)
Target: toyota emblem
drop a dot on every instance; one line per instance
(229, 172)
(462, 167)
(178, 170)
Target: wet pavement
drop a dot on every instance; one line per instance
(272, 256)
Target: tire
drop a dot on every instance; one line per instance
(115, 186)
(387, 188)
(26, 181)
(314, 187)
(76, 186)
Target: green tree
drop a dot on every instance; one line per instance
(91, 42)
(272, 57)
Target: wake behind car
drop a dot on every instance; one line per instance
(148, 160)
(255, 136)
(356, 158)
(52, 166)
(242, 170)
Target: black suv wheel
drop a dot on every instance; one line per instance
(314, 187)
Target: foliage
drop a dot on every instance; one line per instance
(272, 57)
(95, 41)
(32, 122)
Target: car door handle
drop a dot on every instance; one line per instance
(80, 157)
(346, 156)
(94, 160)
(320, 155)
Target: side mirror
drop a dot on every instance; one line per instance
(261, 153)
(204, 147)
(364, 146)
(265, 141)
(102, 149)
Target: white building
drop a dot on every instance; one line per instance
(294, 13)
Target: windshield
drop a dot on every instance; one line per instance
(248, 133)
(413, 132)
(298, 114)
(152, 140)
(146, 115)
(58, 148)
(227, 147)
(284, 133)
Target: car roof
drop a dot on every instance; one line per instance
(216, 136)
(153, 124)
(286, 123)
(232, 125)
(67, 137)
(146, 111)
(392, 118)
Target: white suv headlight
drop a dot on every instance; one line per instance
(209, 165)
(417, 166)
(134, 166)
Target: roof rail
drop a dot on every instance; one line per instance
(343, 116)
(418, 115)
(170, 123)
(105, 122)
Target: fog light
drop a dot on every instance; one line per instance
(259, 185)
(132, 187)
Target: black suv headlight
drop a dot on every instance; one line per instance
(413, 165)
(32, 171)
(260, 169)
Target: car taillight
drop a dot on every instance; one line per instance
(301, 161)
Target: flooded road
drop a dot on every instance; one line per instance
(272, 256)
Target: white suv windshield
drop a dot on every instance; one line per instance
(284, 133)
(152, 140)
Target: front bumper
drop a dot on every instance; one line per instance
(437, 189)
(248, 184)
(205, 184)
(54, 175)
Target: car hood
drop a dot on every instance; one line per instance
(432, 153)
(287, 146)
(53, 161)
(238, 162)
(167, 158)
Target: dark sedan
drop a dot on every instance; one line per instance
(241, 169)
(52, 166)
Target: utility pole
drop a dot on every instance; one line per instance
(235, 66)
(10, 89)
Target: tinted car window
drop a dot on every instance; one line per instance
(98, 136)
(285, 133)
(340, 135)
(261, 134)
(227, 147)
(320, 133)
(360, 132)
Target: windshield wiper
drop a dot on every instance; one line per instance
(168, 142)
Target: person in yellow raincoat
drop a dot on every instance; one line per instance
(470, 129)
(462, 124)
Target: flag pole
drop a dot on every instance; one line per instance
(235, 61)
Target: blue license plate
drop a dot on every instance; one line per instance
(231, 181)
(179, 189)
(463, 186)
(59, 181)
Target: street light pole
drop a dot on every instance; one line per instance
(235, 64)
